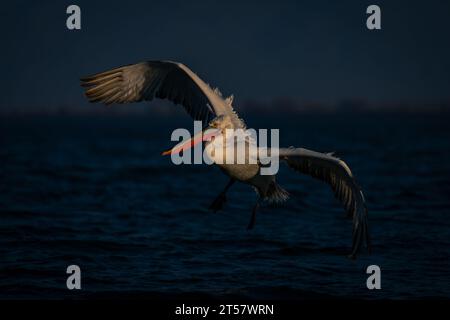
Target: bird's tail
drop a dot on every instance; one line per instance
(276, 194)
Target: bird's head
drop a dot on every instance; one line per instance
(221, 122)
(215, 128)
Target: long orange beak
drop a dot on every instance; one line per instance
(205, 135)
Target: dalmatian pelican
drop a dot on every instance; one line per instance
(177, 83)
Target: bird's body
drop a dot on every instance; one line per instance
(176, 82)
(247, 172)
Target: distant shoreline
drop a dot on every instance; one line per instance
(277, 107)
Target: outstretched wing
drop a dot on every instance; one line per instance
(157, 79)
(337, 174)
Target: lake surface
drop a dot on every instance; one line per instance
(95, 192)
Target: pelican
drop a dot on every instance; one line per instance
(176, 82)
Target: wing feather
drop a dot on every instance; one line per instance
(158, 79)
(338, 175)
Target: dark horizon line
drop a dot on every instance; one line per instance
(284, 105)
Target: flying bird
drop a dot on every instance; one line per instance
(177, 83)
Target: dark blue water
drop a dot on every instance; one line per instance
(94, 191)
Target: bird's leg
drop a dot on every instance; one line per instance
(252, 218)
(218, 203)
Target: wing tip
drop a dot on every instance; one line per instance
(361, 235)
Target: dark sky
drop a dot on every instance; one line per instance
(311, 50)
